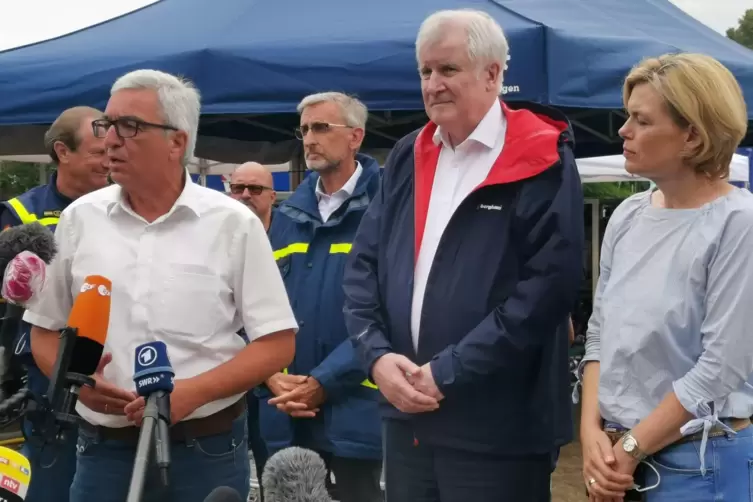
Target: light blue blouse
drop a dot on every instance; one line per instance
(674, 310)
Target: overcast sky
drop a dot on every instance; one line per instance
(719, 14)
(29, 21)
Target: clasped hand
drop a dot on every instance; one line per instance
(297, 395)
(409, 387)
(608, 466)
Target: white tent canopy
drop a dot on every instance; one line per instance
(612, 168)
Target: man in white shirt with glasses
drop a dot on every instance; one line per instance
(190, 267)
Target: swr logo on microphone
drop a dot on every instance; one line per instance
(149, 381)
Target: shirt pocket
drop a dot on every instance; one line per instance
(187, 301)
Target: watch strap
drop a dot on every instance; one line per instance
(634, 452)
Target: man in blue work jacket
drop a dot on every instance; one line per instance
(79, 158)
(324, 401)
(462, 276)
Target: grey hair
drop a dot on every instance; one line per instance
(486, 42)
(353, 110)
(179, 100)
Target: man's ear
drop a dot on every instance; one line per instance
(178, 144)
(356, 138)
(493, 73)
(62, 151)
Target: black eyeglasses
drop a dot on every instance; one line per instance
(239, 188)
(125, 127)
(316, 128)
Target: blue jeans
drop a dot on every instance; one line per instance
(52, 466)
(729, 470)
(104, 468)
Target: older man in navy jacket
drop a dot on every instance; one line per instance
(461, 279)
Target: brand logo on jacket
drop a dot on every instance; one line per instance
(490, 207)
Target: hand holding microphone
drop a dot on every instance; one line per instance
(90, 316)
(152, 372)
(106, 397)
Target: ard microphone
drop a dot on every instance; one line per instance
(15, 475)
(81, 346)
(152, 371)
(224, 494)
(153, 376)
(295, 475)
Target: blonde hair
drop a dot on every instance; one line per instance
(701, 93)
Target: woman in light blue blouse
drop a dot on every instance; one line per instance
(669, 351)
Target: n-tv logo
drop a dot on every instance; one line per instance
(11, 485)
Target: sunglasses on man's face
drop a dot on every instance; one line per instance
(239, 188)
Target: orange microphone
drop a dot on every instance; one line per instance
(81, 346)
(90, 315)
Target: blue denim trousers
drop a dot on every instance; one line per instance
(52, 466)
(104, 468)
(729, 471)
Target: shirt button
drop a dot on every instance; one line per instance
(309, 264)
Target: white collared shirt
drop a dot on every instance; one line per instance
(191, 279)
(459, 172)
(328, 204)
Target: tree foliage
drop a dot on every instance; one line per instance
(743, 34)
(18, 177)
(613, 191)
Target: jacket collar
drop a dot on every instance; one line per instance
(64, 200)
(304, 199)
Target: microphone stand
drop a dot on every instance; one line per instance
(11, 322)
(63, 392)
(153, 438)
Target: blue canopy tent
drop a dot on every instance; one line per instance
(254, 60)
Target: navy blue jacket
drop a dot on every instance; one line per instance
(311, 256)
(505, 276)
(41, 204)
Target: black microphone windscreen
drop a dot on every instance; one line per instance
(295, 475)
(33, 237)
(224, 494)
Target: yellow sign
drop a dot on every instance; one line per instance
(15, 474)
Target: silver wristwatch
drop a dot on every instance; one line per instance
(630, 446)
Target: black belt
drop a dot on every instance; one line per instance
(182, 432)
